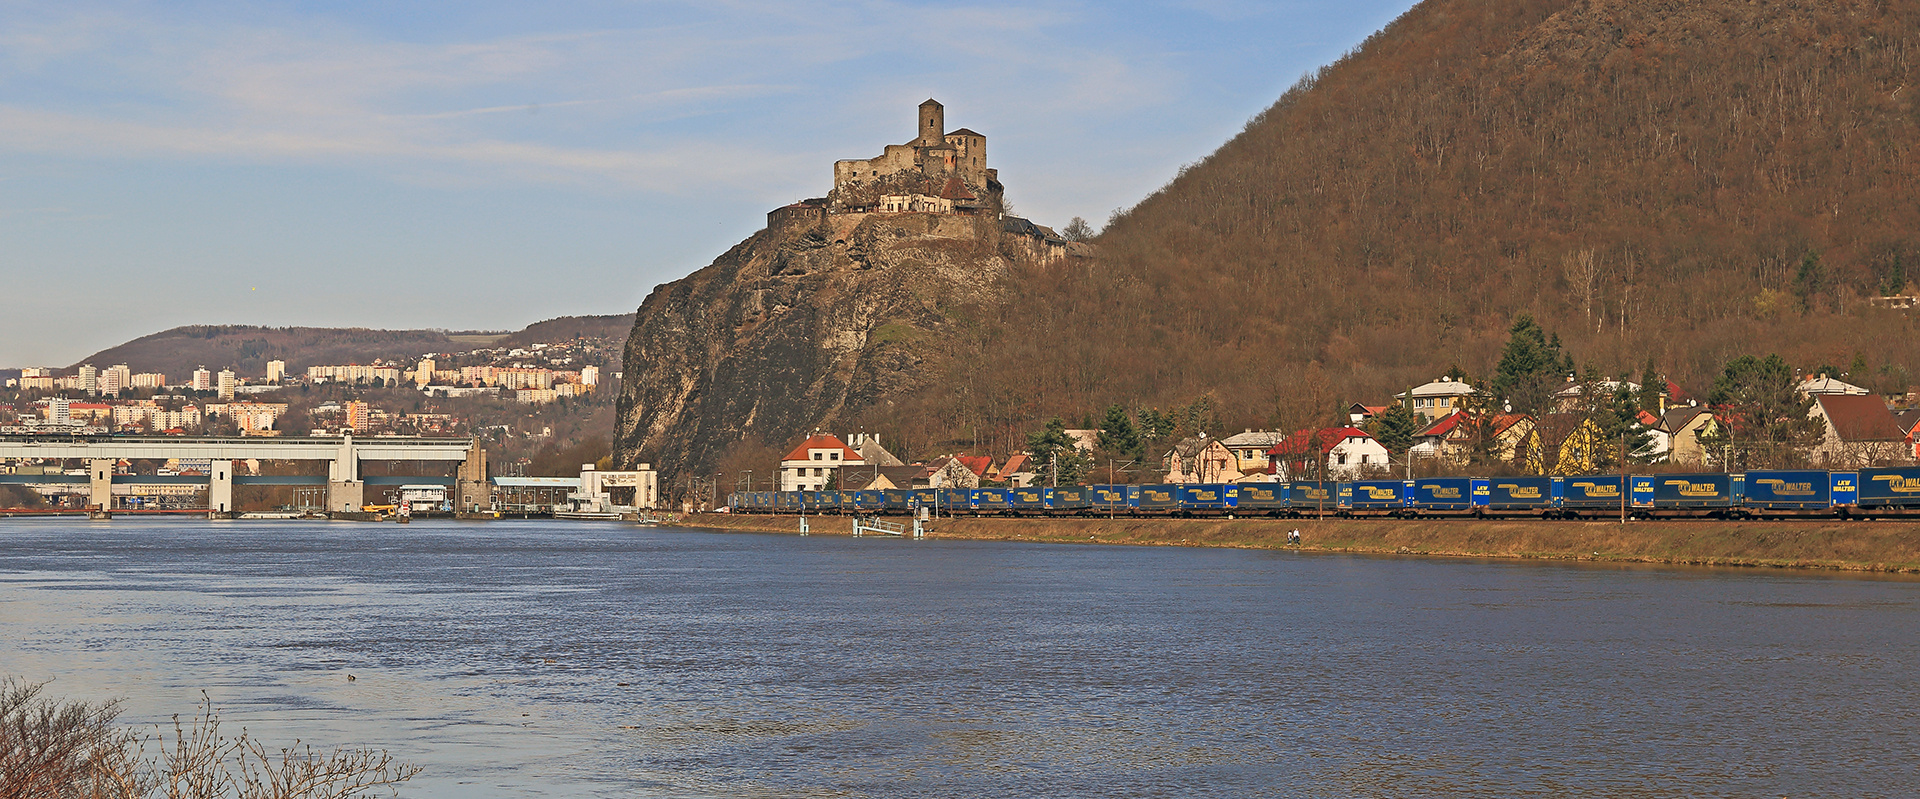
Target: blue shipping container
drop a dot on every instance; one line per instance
(1313, 495)
(1113, 498)
(1208, 496)
(1263, 496)
(1844, 488)
(1788, 490)
(991, 499)
(1065, 498)
(1379, 494)
(1590, 493)
(1029, 498)
(1890, 488)
(1443, 493)
(1682, 491)
(1159, 497)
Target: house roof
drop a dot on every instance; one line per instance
(823, 441)
(1326, 437)
(978, 464)
(1014, 465)
(1822, 384)
(965, 132)
(1443, 425)
(1252, 438)
(1444, 387)
(956, 190)
(1450, 423)
(1676, 419)
(1856, 417)
(1908, 420)
(1573, 389)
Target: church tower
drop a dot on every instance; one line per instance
(933, 124)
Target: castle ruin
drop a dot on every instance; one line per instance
(940, 173)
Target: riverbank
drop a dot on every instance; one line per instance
(1878, 546)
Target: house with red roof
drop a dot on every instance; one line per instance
(1455, 436)
(812, 464)
(1909, 420)
(960, 471)
(1860, 432)
(1335, 453)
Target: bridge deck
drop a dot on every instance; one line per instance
(324, 448)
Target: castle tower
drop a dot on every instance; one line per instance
(933, 124)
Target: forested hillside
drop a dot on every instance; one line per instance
(1686, 181)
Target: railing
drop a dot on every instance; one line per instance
(864, 526)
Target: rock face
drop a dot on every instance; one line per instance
(803, 325)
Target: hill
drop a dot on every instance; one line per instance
(247, 348)
(1685, 182)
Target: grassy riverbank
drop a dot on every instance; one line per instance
(1884, 546)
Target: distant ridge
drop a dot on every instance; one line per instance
(247, 348)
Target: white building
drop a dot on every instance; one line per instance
(590, 375)
(423, 373)
(276, 371)
(813, 463)
(1822, 385)
(90, 379)
(226, 383)
(1436, 399)
(202, 379)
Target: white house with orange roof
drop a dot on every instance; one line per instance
(812, 464)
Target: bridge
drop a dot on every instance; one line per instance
(346, 487)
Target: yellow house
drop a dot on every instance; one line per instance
(1563, 444)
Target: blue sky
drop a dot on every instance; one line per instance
(488, 165)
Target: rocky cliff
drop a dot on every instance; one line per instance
(803, 326)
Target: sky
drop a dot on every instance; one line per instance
(487, 165)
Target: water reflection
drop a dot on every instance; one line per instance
(518, 659)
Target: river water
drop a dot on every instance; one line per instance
(771, 666)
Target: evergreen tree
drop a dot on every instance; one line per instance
(1530, 368)
(1155, 425)
(1810, 281)
(1117, 434)
(1896, 281)
(1394, 428)
(1056, 454)
(1764, 412)
(1652, 387)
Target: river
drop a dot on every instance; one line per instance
(590, 659)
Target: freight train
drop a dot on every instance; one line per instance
(1867, 493)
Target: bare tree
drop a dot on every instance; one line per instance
(1582, 268)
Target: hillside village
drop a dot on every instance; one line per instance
(1523, 421)
(1853, 429)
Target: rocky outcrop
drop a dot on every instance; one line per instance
(804, 325)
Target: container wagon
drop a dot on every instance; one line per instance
(1076, 500)
(1267, 498)
(1378, 497)
(1447, 496)
(1884, 491)
(1216, 499)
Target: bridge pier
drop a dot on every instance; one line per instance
(345, 492)
(220, 488)
(471, 489)
(100, 475)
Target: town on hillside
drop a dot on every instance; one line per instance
(541, 408)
